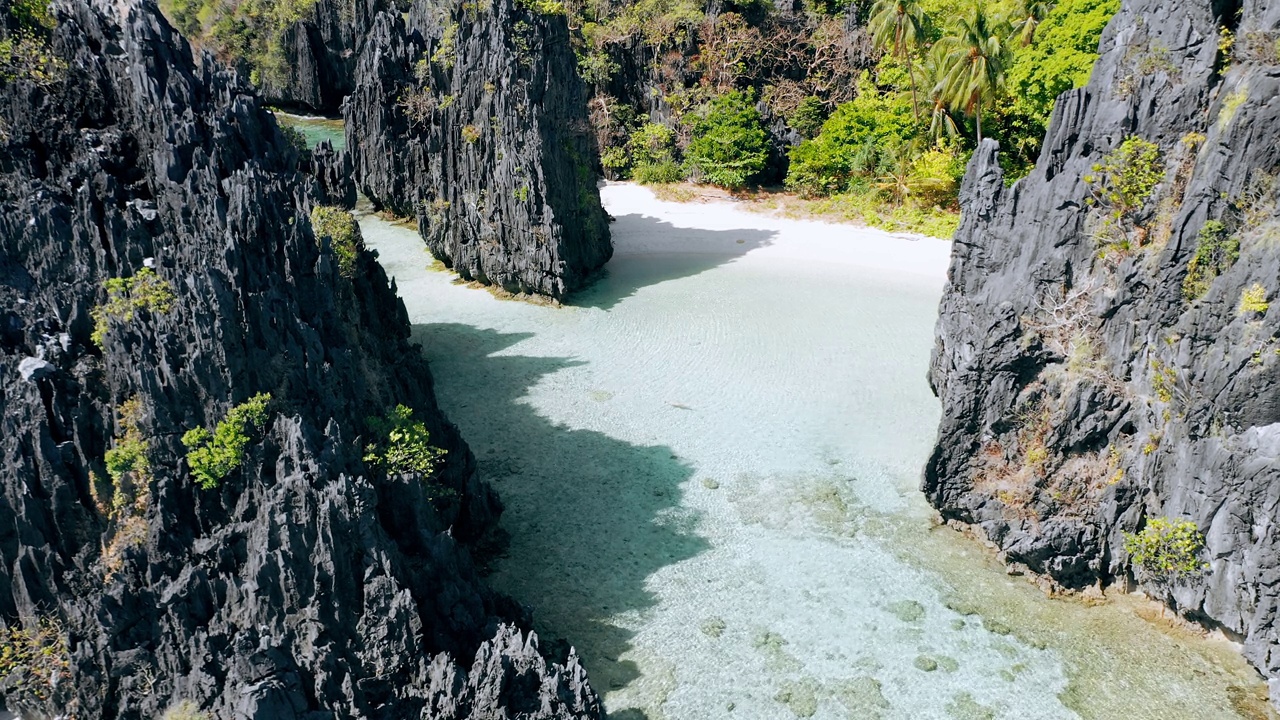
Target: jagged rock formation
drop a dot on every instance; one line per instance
(306, 583)
(319, 55)
(1087, 385)
(473, 121)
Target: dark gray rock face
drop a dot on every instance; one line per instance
(473, 120)
(306, 584)
(320, 55)
(1084, 392)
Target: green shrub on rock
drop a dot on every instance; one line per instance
(1166, 550)
(126, 296)
(344, 236)
(1216, 251)
(213, 455)
(403, 444)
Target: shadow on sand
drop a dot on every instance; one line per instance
(644, 247)
(590, 517)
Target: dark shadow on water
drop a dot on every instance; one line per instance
(670, 252)
(590, 517)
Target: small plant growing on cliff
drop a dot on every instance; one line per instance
(126, 297)
(543, 7)
(403, 444)
(470, 134)
(1123, 181)
(343, 232)
(1166, 550)
(185, 710)
(214, 455)
(127, 463)
(1230, 106)
(1216, 251)
(1253, 300)
(33, 662)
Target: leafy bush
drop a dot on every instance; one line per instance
(651, 148)
(33, 662)
(470, 134)
(853, 142)
(126, 296)
(127, 462)
(1061, 58)
(1216, 251)
(808, 117)
(343, 232)
(252, 30)
(1126, 176)
(1166, 550)
(730, 146)
(403, 444)
(1253, 300)
(213, 456)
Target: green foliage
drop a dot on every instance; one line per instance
(974, 56)
(297, 139)
(1253, 300)
(470, 134)
(33, 662)
(1166, 550)
(343, 232)
(1060, 58)
(403, 444)
(808, 117)
(1126, 176)
(853, 142)
(596, 68)
(26, 56)
(32, 15)
(127, 462)
(1216, 251)
(651, 149)
(126, 297)
(212, 456)
(730, 146)
(543, 7)
(252, 30)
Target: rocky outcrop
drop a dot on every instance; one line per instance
(473, 120)
(1088, 384)
(319, 55)
(305, 582)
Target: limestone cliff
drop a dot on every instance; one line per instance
(318, 55)
(472, 119)
(306, 582)
(1106, 350)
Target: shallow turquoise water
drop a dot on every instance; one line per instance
(317, 129)
(710, 460)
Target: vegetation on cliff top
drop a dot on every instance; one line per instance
(886, 116)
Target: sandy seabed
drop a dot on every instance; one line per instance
(710, 463)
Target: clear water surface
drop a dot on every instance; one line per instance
(710, 464)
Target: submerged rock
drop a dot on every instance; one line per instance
(1093, 373)
(485, 141)
(303, 583)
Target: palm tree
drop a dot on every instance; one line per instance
(900, 25)
(942, 121)
(975, 55)
(1027, 18)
